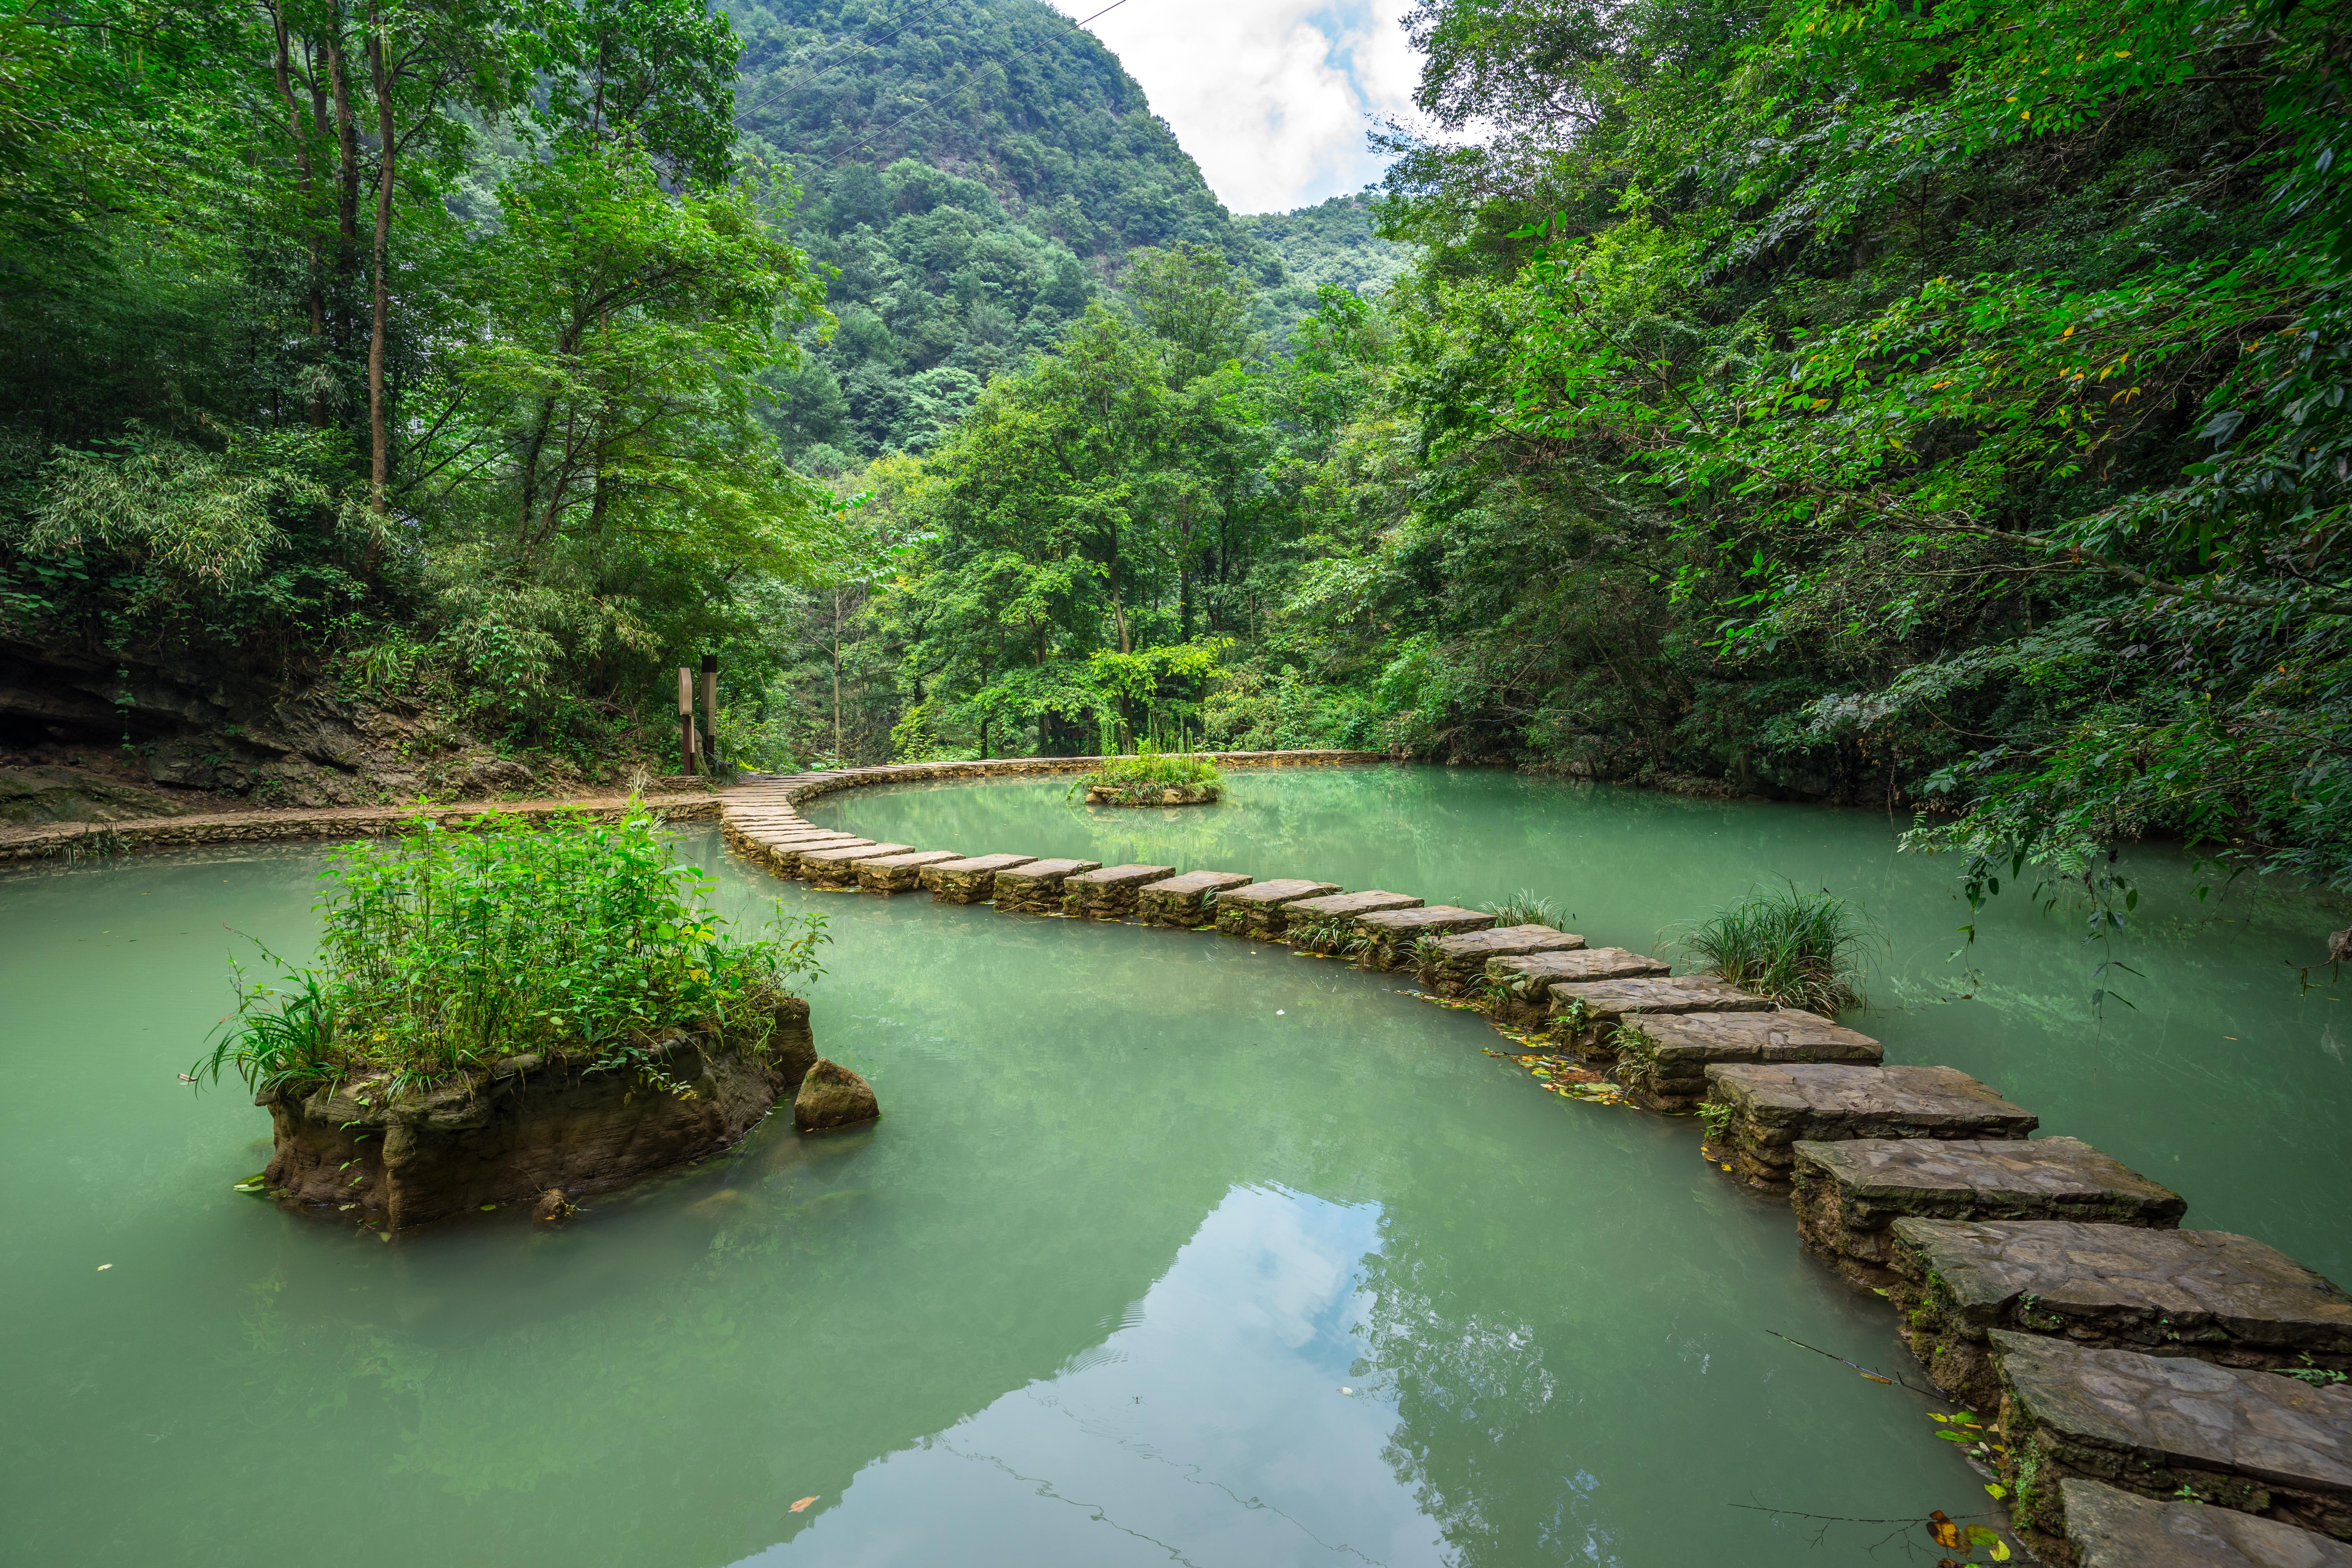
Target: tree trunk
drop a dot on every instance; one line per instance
(305, 186)
(379, 433)
(347, 155)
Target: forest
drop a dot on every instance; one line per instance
(1938, 411)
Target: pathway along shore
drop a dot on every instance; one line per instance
(2165, 1396)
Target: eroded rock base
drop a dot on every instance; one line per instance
(532, 1127)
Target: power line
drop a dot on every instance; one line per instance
(933, 102)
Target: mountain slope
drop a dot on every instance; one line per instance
(974, 171)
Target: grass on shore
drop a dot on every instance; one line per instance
(448, 951)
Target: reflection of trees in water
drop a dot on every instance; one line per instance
(1471, 1392)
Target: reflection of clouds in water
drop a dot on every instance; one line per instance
(1207, 1428)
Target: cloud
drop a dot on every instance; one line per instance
(1272, 98)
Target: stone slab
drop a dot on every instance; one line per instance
(2206, 1294)
(2109, 1528)
(2168, 1427)
(1662, 1057)
(838, 868)
(1109, 893)
(1462, 957)
(898, 873)
(1767, 1106)
(786, 856)
(1329, 924)
(1258, 909)
(1587, 1013)
(1847, 1196)
(1518, 989)
(1187, 900)
(1394, 931)
(1036, 888)
(968, 881)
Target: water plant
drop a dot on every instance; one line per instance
(448, 950)
(1145, 778)
(1799, 949)
(1335, 935)
(1525, 908)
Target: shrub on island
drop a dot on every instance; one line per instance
(1154, 778)
(505, 1012)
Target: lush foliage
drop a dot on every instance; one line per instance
(447, 951)
(1142, 779)
(424, 338)
(1801, 950)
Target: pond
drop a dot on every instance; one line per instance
(1166, 1249)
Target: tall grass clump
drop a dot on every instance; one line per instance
(1801, 950)
(1140, 779)
(448, 951)
(1525, 908)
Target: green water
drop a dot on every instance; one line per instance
(1141, 1207)
(2213, 1069)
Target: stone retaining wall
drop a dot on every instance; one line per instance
(83, 840)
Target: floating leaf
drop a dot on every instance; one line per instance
(1983, 1535)
(2000, 1552)
(1996, 1488)
(802, 1504)
(1943, 1530)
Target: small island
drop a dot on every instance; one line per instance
(519, 1014)
(1154, 778)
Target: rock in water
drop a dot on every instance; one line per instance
(832, 1096)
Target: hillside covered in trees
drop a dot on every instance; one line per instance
(1939, 412)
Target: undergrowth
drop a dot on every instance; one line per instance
(1800, 949)
(448, 951)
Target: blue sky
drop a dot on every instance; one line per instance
(1272, 98)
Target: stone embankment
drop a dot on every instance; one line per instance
(84, 840)
(2166, 1396)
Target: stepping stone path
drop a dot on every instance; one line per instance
(2206, 1294)
(1462, 958)
(1662, 1057)
(1521, 987)
(898, 873)
(1036, 888)
(2106, 1528)
(1258, 909)
(2166, 1426)
(838, 868)
(1587, 1014)
(1181, 901)
(1920, 1181)
(1341, 912)
(968, 882)
(1769, 1106)
(787, 854)
(1109, 893)
(1394, 931)
(1848, 1194)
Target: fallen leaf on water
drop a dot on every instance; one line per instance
(104, 1267)
(802, 1503)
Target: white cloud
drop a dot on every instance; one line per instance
(1272, 98)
